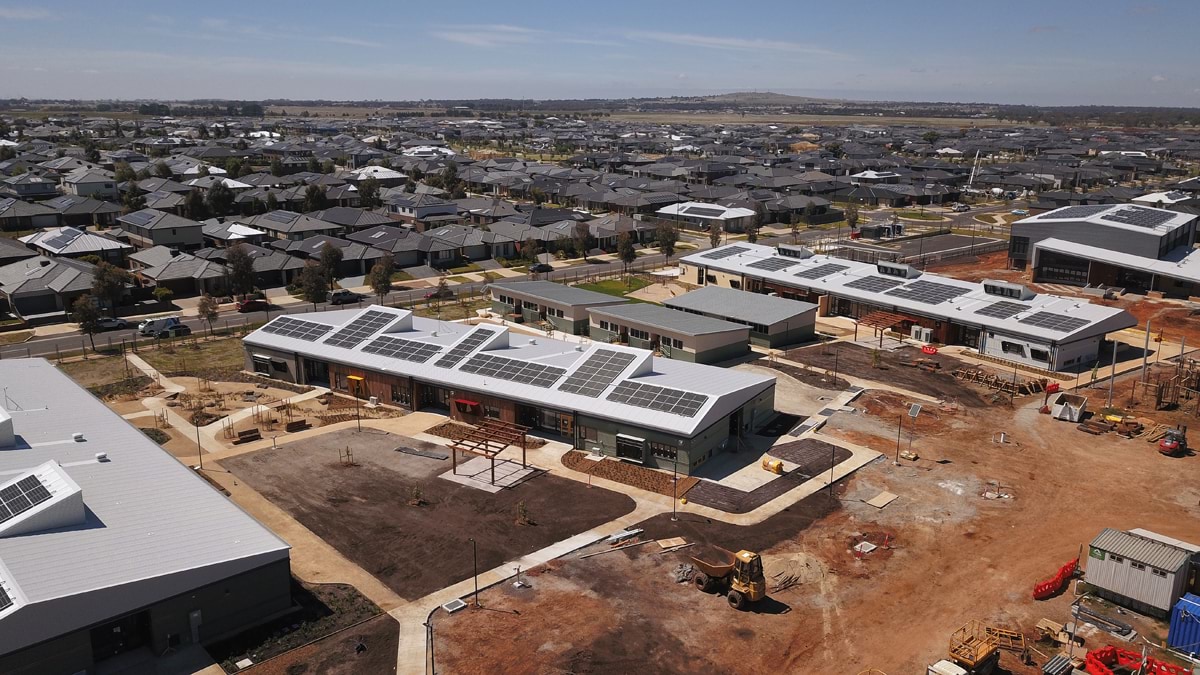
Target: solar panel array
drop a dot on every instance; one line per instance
(295, 328)
(21, 496)
(1002, 310)
(1052, 321)
(653, 397)
(464, 347)
(1147, 218)
(6, 600)
(703, 211)
(366, 325)
(1085, 211)
(399, 348)
(597, 372)
(821, 271)
(138, 218)
(522, 372)
(64, 237)
(874, 284)
(773, 264)
(280, 216)
(724, 252)
(928, 292)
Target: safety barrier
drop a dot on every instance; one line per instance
(1048, 588)
(1100, 662)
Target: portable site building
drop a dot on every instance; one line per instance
(1141, 570)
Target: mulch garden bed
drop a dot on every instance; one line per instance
(629, 474)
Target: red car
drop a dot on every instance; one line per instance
(253, 305)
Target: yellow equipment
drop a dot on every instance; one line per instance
(773, 465)
(975, 648)
(739, 575)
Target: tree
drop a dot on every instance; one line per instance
(794, 226)
(208, 309)
(123, 173)
(133, 200)
(257, 207)
(313, 287)
(85, 313)
(626, 251)
(852, 215)
(203, 171)
(314, 199)
(195, 206)
(667, 235)
(368, 193)
(380, 276)
(314, 165)
(108, 284)
(538, 195)
(240, 264)
(331, 262)
(162, 170)
(530, 249)
(714, 235)
(581, 237)
(810, 212)
(752, 234)
(163, 294)
(220, 199)
(276, 167)
(931, 137)
(234, 168)
(328, 166)
(272, 202)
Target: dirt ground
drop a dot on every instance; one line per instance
(340, 655)
(364, 510)
(947, 555)
(857, 361)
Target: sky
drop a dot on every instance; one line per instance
(1048, 52)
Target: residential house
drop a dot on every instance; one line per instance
(184, 274)
(29, 186)
(291, 225)
(409, 248)
(357, 258)
(18, 214)
(151, 227)
(41, 289)
(72, 242)
(422, 212)
(351, 219)
(96, 183)
(84, 212)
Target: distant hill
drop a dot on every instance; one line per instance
(761, 98)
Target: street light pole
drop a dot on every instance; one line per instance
(899, 429)
(475, 562)
(675, 486)
(199, 450)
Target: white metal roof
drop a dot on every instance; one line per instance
(726, 389)
(1114, 216)
(1182, 263)
(962, 309)
(1141, 549)
(152, 528)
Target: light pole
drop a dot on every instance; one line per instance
(674, 486)
(199, 450)
(357, 413)
(475, 563)
(899, 429)
(836, 353)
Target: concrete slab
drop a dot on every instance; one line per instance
(477, 473)
(882, 499)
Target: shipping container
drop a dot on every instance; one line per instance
(1184, 634)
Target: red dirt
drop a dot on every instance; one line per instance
(858, 362)
(338, 654)
(629, 474)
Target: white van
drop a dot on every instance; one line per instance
(160, 325)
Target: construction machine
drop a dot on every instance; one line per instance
(1174, 442)
(738, 575)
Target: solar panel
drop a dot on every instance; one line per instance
(138, 218)
(704, 211)
(6, 600)
(21, 496)
(1055, 322)
(295, 328)
(399, 348)
(464, 347)
(523, 372)
(597, 372)
(280, 217)
(928, 292)
(366, 325)
(64, 237)
(1139, 217)
(821, 271)
(874, 284)
(663, 399)
(773, 264)
(724, 252)
(1002, 310)
(1085, 211)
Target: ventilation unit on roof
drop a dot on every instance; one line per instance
(1007, 289)
(793, 251)
(8, 437)
(893, 269)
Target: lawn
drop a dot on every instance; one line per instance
(221, 354)
(918, 215)
(13, 337)
(13, 234)
(617, 287)
(458, 280)
(453, 310)
(96, 371)
(469, 267)
(400, 275)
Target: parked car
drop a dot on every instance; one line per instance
(1020, 212)
(152, 327)
(960, 208)
(174, 331)
(539, 268)
(344, 297)
(445, 294)
(253, 305)
(109, 323)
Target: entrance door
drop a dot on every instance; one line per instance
(631, 448)
(120, 636)
(735, 423)
(316, 373)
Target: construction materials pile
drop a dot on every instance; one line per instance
(1003, 384)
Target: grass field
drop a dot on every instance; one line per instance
(96, 371)
(919, 215)
(617, 287)
(216, 354)
(400, 275)
(14, 337)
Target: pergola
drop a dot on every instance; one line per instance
(489, 438)
(880, 322)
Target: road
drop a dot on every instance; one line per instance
(52, 345)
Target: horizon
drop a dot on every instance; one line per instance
(1106, 53)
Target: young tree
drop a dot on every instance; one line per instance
(441, 292)
(208, 309)
(328, 166)
(240, 264)
(810, 212)
(380, 276)
(124, 173)
(530, 249)
(272, 202)
(714, 235)
(626, 251)
(331, 262)
(162, 170)
(233, 168)
(752, 234)
(163, 294)
(368, 193)
(220, 199)
(195, 206)
(203, 171)
(133, 200)
(276, 167)
(538, 195)
(313, 287)
(581, 238)
(667, 235)
(85, 313)
(314, 165)
(852, 215)
(794, 226)
(314, 199)
(108, 284)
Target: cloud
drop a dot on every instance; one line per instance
(1044, 29)
(1158, 78)
(487, 35)
(730, 43)
(24, 14)
(350, 42)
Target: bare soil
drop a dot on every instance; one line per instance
(857, 361)
(363, 510)
(369, 647)
(660, 482)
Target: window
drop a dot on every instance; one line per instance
(339, 381)
(589, 433)
(677, 343)
(1039, 355)
(639, 334)
(603, 325)
(401, 395)
(491, 411)
(529, 305)
(279, 366)
(1158, 573)
(1012, 348)
(558, 313)
(1137, 565)
(1116, 558)
(1018, 247)
(736, 285)
(710, 278)
(663, 451)
(262, 365)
